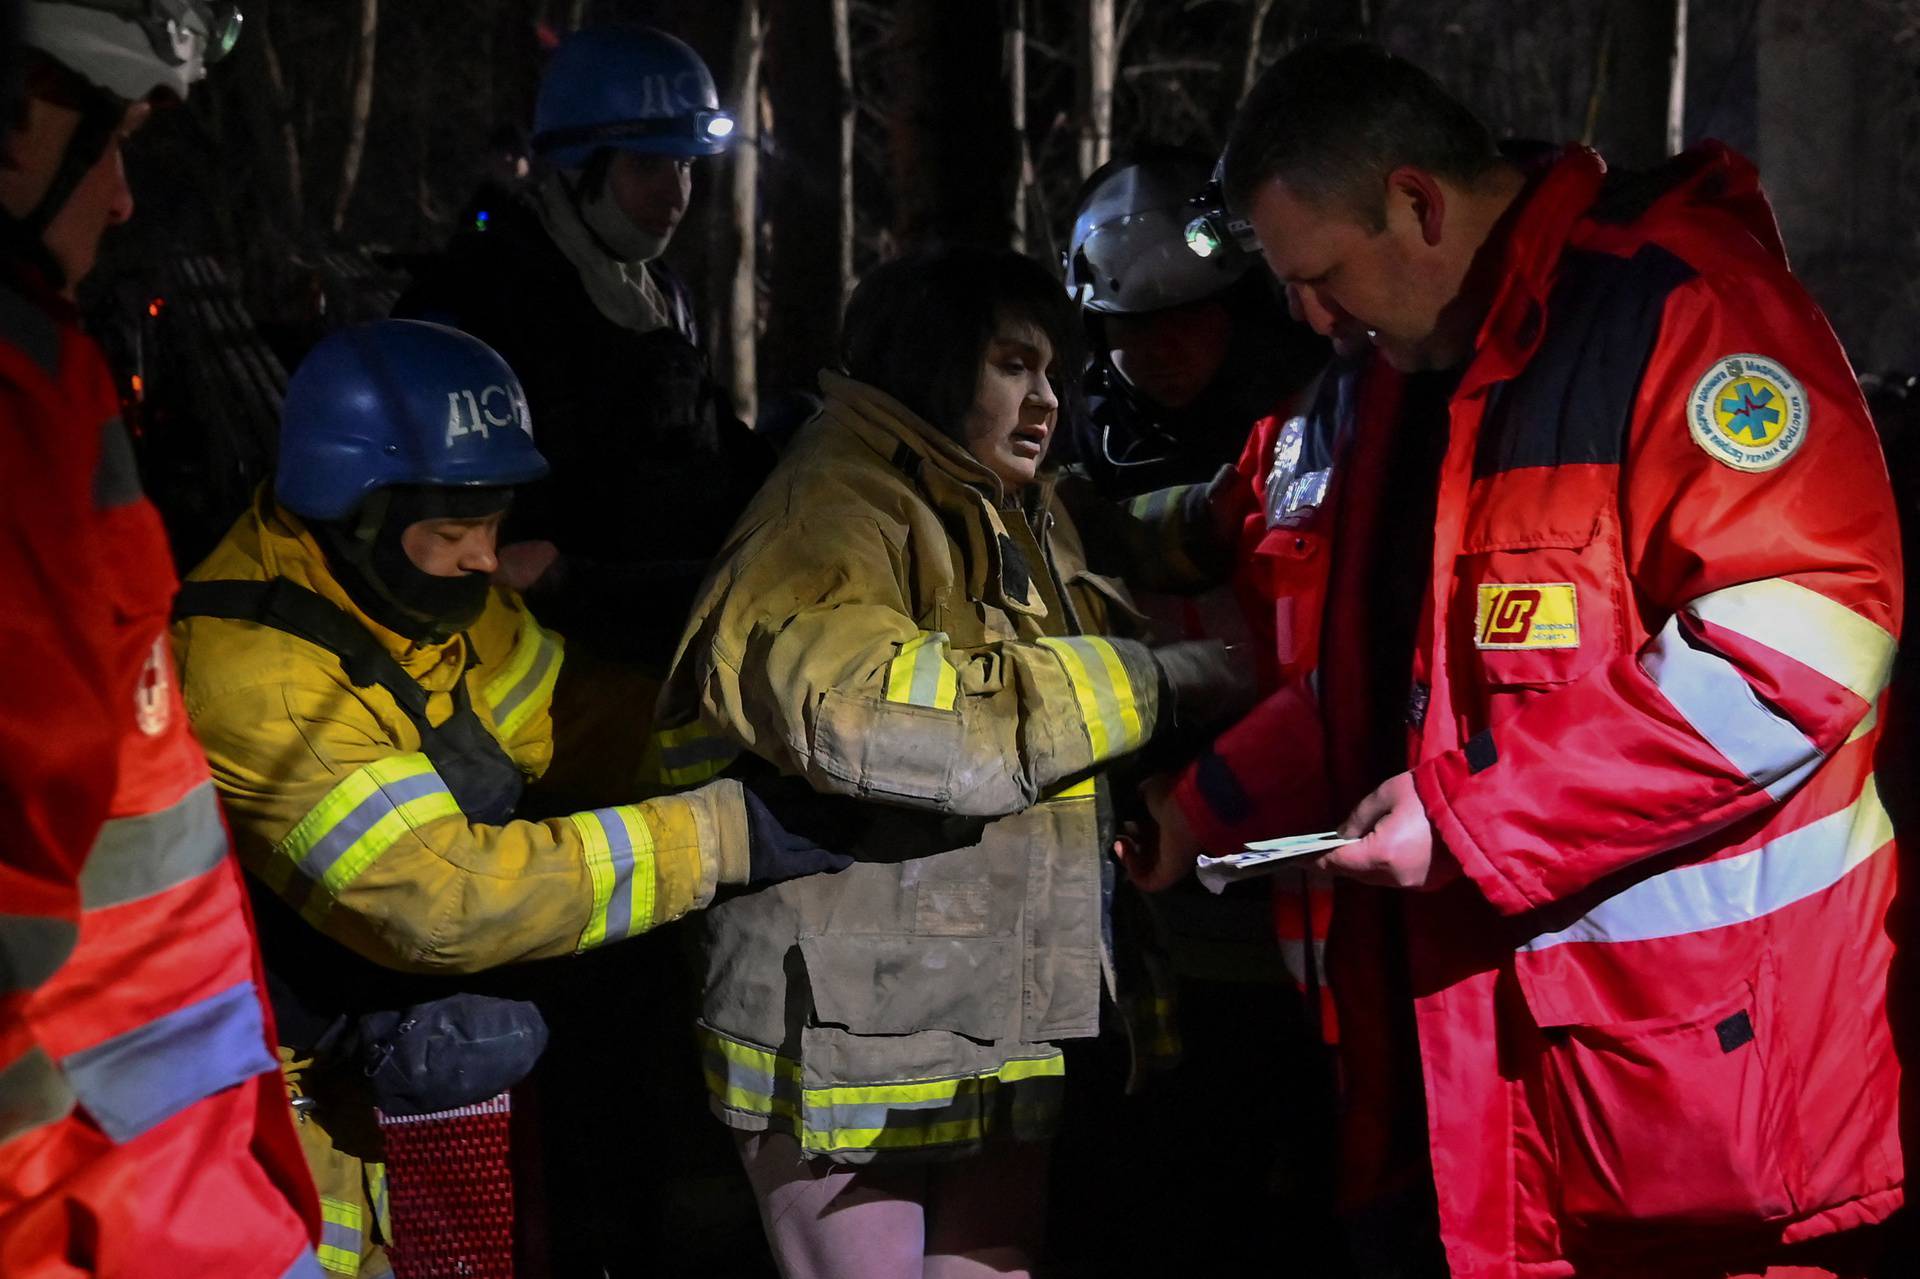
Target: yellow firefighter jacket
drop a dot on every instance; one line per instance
(888, 625)
(334, 807)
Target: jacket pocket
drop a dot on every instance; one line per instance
(1106, 606)
(1682, 1120)
(892, 749)
(1537, 611)
(892, 984)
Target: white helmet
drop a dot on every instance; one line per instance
(133, 49)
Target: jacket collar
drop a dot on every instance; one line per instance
(1527, 246)
(887, 426)
(284, 547)
(951, 479)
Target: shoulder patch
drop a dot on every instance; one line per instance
(1748, 412)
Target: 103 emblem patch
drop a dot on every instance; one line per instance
(1527, 615)
(1748, 412)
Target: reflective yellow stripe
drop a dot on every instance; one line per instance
(921, 675)
(368, 812)
(342, 1236)
(748, 1078)
(1101, 687)
(903, 1114)
(692, 754)
(525, 683)
(1085, 788)
(619, 855)
(377, 1197)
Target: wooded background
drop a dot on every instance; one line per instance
(867, 125)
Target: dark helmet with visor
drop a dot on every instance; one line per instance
(1143, 239)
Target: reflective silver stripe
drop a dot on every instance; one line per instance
(1716, 700)
(149, 1074)
(1293, 953)
(1805, 625)
(1733, 890)
(32, 948)
(116, 479)
(304, 1267)
(136, 857)
(33, 1093)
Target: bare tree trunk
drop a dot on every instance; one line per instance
(843, 76)
(1677, 82)
(1257, 11)
(739, 230)
(282, 109)
(1016, 60)
(362, 108)
(1097, 58)
(1636, 96)
(808, 73)
(953, 151)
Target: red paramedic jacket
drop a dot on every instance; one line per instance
(144, 1127)
(1307, 492)
(1664, 603)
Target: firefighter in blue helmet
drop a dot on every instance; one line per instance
(567, 283)
(373, 707)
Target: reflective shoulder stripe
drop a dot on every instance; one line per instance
(1021, 1096)
(1101, 687)
(1734, 890)
(619, 853)
(342, 1236)
(33, 1093)
(693, 753)
(526, 682)
(1805, 625)
(365, 814)
(921, 675)
(149, 1074)
(32, 948)
(1720, 705)
(136, 857)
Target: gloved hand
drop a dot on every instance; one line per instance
(1203, 682)
(449, 1052)
(801, 839)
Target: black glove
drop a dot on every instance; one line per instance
(451, 1052)
(801, 839)
(1203, 682)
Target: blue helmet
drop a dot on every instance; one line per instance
(631, 87)
(400, 402)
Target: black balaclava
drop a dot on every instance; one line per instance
(366, 557)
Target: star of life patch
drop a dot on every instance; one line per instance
(1748, 412)
(1527, 615)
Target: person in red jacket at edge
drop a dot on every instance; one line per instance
(144, 1129)
(1610, 954)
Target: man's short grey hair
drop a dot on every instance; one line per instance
(1333, 120)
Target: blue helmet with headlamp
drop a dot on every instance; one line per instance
(631, 87)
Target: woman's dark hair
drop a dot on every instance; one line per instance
(918, 327)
